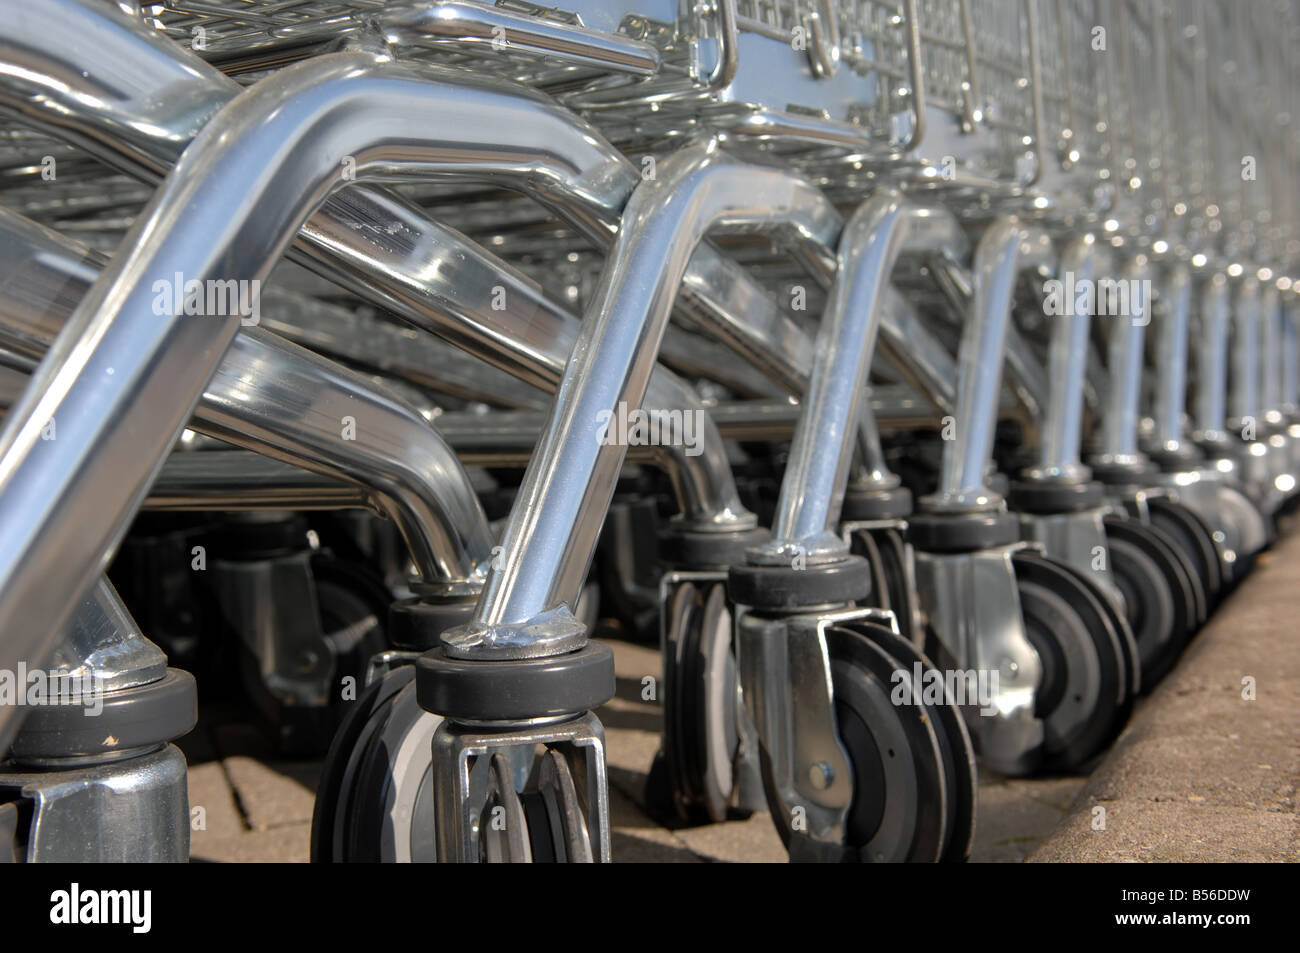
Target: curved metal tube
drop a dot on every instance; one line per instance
(816, 473)
(121, 379)
(243, 480)
(289, 404)
(1006, 248)
(375, 244)
(551, 533)
(442, 282)
(379, 246)
(1212, 360)
(110, 84)
(724, 71)
(1023, 371)
(1067, 366)
(870, 471)
(1245, 351)
(1124, 362)
(283, 401)
(1270, 322)
(1171, 361)
(915, 75)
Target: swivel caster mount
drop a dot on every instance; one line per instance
(874, 525)
(864, 757)
(880, 771)
(1050, 644)
(507, 788)
(707, 769)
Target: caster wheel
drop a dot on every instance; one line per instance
(1195, 540)
(913, 767)
(351, 605)
(960, 774)
(1119, 621)
(886, 554)
(544, 824)
(1085, 695)
(696, 778)
(1181, 582)
(1155, 609)
(1189, 581)
(374, 802)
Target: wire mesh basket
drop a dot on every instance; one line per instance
(1075, 151)
(1189, 123)
(979, 59)
(1139, 111)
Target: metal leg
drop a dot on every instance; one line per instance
(1006, 248)
(525, 612)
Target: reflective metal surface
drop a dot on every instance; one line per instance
(1212, 360)
(1126, 334)
(286, 402)
(1067, 361)
(102, 647)
(1171, 360)
(549, 540)
(130, 811)
(972, 605)
(1006, 248)
(812, 490)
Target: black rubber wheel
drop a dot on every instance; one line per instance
(900, 799)
(1085, 694)
(375, 799)
(1195, 540)
(695, 778)
(961, 777)
(899, 810)
(1154, 612)
(1117, 618)
(886, 554)
(505, 835)
(1180, 581)
(335, 814)
(1188, 580)
(557, 824)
